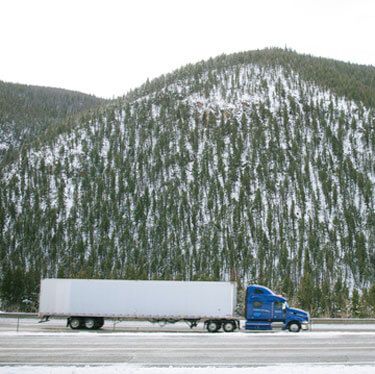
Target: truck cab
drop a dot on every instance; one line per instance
(264, 307)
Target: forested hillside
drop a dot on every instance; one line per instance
(28, 112)
(256, 167)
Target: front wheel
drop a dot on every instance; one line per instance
(294, 327)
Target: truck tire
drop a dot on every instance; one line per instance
(75, 323)
(294, 326)
(90, 323)
(99, 322)
(213, 326)
(229, 326)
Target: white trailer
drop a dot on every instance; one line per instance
(87, 302)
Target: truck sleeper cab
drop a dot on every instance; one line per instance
(263, 307)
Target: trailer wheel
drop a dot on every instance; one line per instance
(75, 323)
(229, 326)
(99, 322)
(213, 326)
(90, 323)
(294, 327)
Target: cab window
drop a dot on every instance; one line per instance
(258, 291)
(257, 304)
(278, 305)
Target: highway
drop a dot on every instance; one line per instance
(149, 345)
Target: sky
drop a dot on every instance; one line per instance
(107, 47)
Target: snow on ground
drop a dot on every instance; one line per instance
(126, 369)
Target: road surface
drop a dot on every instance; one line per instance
(53, 344)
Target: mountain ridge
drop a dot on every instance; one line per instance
(27, 111)
(361, 77)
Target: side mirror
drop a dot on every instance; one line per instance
(284, 306)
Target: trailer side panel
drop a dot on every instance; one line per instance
(137, 299)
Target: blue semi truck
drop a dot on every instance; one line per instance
(87, 303)
(263, 308)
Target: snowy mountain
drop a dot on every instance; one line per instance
(255, 167)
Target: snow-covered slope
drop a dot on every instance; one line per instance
(247, 172)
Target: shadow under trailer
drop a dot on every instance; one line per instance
(86, 303)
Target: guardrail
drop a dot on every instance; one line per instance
(352, 321)
(18, 315)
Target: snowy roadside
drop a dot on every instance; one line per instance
(126, 369)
